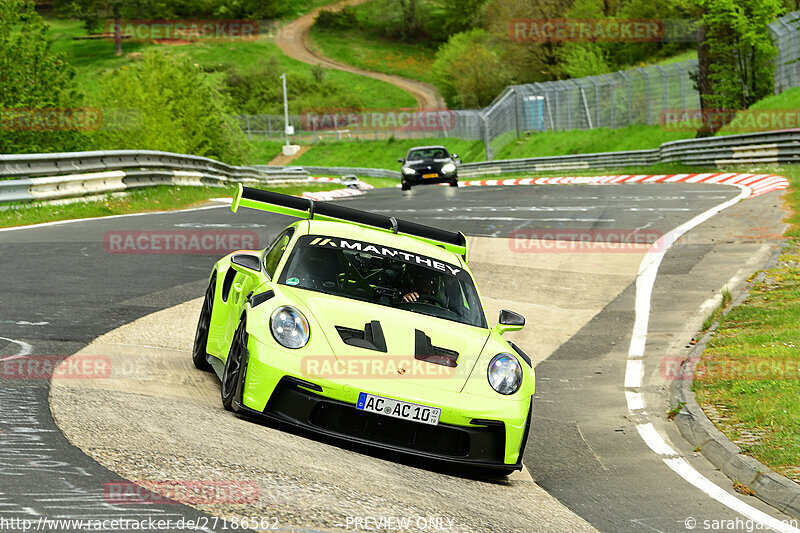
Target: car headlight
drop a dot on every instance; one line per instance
(448, 168)
(409, 171)
(504, 373)
(289, 327)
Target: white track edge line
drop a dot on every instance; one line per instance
(644, 288)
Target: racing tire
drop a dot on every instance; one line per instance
(200, 348)
(405, 186)
(232, 374)
(454, 183)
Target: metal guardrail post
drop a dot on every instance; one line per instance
(646, 76)
(486, 146)
(630, 99)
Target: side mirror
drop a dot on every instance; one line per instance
(509, 321)
(246, 264)
(455, 156)
(401, 160)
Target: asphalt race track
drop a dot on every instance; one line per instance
(61, 289)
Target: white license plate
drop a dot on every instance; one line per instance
(398, 409)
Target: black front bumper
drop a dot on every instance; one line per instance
(417, 179)
(479, 446)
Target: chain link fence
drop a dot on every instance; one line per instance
(636, 96)
(786, 34)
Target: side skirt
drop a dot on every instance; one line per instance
(216, 364)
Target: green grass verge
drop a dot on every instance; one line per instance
(550, 143)
(384, 154)
(365, 50)
(786, 100)
(92, 58)
(758, 402)
(381, 154)
(150, 199)
(366, 46)
(264, 150)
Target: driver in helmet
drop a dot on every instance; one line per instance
(423, 282)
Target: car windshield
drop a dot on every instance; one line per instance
(426, 154)
(384, 276)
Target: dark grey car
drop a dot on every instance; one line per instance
(428, 164)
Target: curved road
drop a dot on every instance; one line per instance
(295, 42)
(61, 290)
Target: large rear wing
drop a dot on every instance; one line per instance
(306, 208)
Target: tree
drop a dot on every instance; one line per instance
(409, 11)
(456, 16)
(33, 77)
(527, 61)
(172, 106)
(735, 53)
(468, 71)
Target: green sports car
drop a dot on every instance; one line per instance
(370, 329)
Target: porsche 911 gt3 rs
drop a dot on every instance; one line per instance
(366, 328)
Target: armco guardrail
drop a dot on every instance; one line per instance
(344, 171)
(67, 175)
(28, 177)
(762, 147)
(749, 148)
(564, 162)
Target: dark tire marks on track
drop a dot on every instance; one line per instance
(61, 274)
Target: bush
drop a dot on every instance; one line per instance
(32, 77)
(468, 72)
(583, 59)
(344, 19)
(167, 103)
(94, 11)
(258, 90)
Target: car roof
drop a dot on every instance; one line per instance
(382, 238)
(428, 148)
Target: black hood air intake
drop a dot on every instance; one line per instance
(370, 338)
(425, 351)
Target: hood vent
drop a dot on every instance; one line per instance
(371, 338)
(425, 351)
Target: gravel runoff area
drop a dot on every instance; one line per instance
(158, 418)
